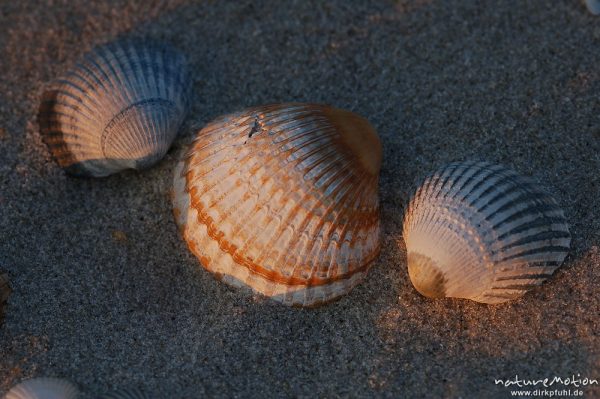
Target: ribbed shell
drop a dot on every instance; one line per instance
(593, 6)
(119, 108)
(283, 199)
(5, 291)
(129, 393)
(43, 388)
(480, 231)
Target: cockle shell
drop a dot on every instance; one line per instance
(119, 108)
(283, 199)
(593, 6)
(43, 388)
(127, 393)
(480, 231)
(5, 291)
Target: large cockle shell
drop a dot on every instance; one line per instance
(119, 108)
(283, 199)
(43, 388)
(5, 291)
(480, 231)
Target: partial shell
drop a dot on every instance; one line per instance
(480, 231)
(593, 6)
(283, 199)
(130, 393)
(119, 108)
(43, 388)
(5, 291)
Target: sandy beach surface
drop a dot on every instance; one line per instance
(107, 295)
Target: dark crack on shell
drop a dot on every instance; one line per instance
(256, 128)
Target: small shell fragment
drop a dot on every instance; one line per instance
(5, 291)
(480, 231)
(119, 108)
(43, 388)
(283, 199)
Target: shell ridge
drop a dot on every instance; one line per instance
(531, 276)
(346, 209)
(501, 179)
(547, 235)
(301, 157)
(212, 231)
(113, 97)
(330, 166)
(305, 145)
(482, 180)
(455, 181)
(539, 222)
(132, 64)
(95, 84)
(111, 61)
(302, 132)
(57, 117)
(441, 184)
(321, 172)
(343, 211)
(535, 251)
(530, 199)
(124, 69)
(61, 90)
(293, 210)
(512, 187)
(539, 210)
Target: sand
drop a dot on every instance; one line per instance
(107, 295)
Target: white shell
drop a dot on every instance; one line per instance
(480, 231)
(43, 388)
(283, 199)
(593, 6)
(119, 108)
(127, 393)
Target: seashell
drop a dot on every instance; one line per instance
(128, 393)
(5, 291)
(283, 199)
(43, 388)
(593, 6)
(119, 108)
(480, 231)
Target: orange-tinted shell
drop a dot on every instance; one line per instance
(283, 199)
